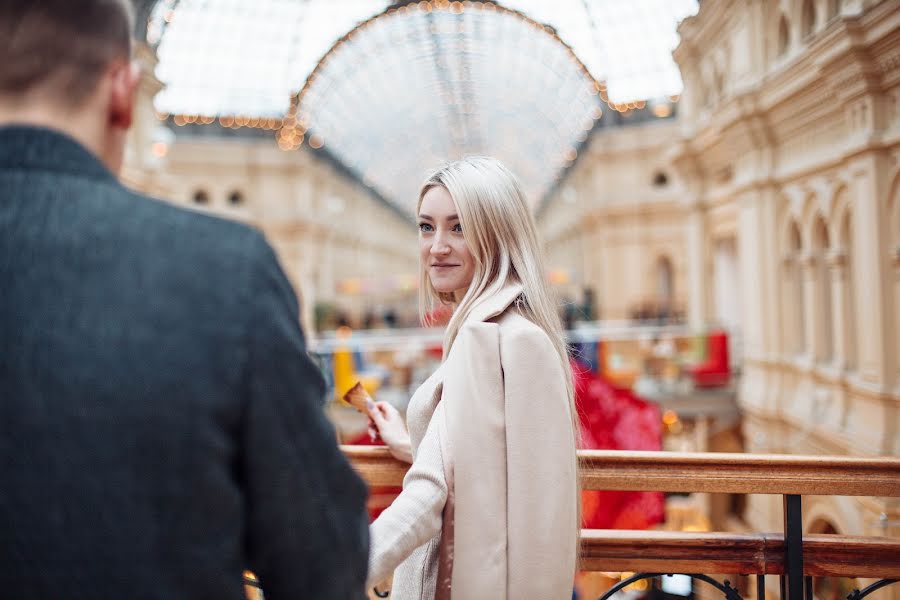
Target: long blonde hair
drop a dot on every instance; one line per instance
(501, 234)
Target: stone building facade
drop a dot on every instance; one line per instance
(781, 218)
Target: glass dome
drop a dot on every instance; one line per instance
(393, 89)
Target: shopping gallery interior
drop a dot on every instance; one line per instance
(716, 184)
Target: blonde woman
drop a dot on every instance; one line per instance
(489, 507)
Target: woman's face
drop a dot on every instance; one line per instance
(442, 247)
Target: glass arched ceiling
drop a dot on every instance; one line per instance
(246, 57)
(413, 87)
(410, 89)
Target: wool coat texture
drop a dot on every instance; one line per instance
(161, 424)
(489, 506)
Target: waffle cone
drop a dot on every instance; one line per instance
(357, 396)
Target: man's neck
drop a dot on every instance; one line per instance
(78, 126)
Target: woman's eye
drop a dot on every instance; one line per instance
(425, 227)
(457, 228)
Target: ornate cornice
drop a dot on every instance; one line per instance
(889, 62)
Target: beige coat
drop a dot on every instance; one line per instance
(492, 432)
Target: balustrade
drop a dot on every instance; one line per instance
(792, 556)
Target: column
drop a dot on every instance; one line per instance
(698, 274)
(895, 260)
(752, 244)
(876, 356)
(813, 314)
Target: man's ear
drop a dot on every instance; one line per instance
(124, 78)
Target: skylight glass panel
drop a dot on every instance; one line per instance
(636, 39)
(417, 87)
(243, 57)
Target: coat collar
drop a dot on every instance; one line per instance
(495, 303)
(30, 148)
(490, 306)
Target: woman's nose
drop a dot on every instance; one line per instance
(439, 246)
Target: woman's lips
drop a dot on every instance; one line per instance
(443, 267)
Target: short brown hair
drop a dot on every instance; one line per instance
(63, 44)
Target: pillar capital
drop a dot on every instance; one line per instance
(836, 259)
(808, 260)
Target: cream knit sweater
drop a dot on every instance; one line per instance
(406, 536)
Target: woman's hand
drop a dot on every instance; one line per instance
(385, 421)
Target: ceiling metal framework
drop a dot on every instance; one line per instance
(416, 86)
(407, 85)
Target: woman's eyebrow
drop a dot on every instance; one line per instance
(429, 218)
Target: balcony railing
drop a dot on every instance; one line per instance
(795, 557)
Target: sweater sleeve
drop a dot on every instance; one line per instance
(416, 515)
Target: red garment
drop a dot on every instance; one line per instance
(715, 370)
(617, 419)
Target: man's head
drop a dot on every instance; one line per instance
(67, 65)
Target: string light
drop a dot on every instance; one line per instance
(159, 149)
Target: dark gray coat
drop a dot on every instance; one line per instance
(161, 425)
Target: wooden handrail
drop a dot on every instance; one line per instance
(694, 472)
(739, 473)
(726, 553)
(713, 553)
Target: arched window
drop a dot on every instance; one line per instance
(822, 295)
(795, 315)
(665, 282)
(200, 197)
(808, 19)
(784, 36)
(235, 198)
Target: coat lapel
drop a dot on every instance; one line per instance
(475, 467)
(495, 304)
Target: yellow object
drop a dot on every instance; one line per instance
(345, 376)
(618, 375)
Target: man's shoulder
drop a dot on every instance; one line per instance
(161, 230)
(171, 220)
(166, 242)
